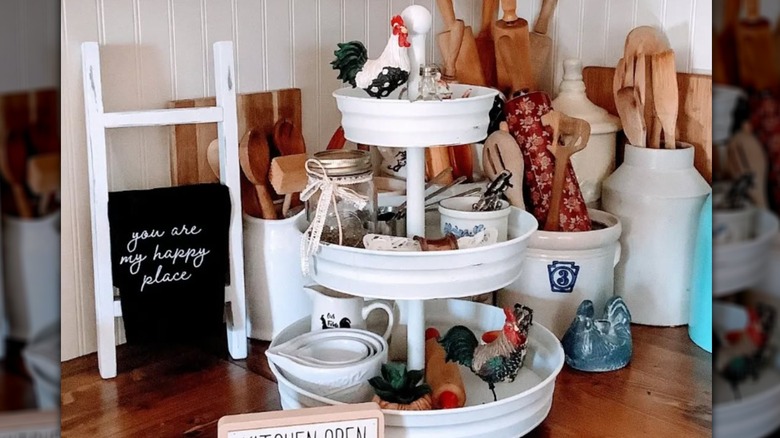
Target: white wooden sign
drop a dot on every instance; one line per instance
(363, 420)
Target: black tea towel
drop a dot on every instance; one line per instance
(169, 255)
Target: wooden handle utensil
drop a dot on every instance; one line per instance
(577, 132)
(513, 69)
(665, 97)
(255, 159)
(501, 152)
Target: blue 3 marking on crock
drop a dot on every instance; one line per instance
(563, 276)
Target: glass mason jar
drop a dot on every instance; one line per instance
(350, 175)
(432, 87)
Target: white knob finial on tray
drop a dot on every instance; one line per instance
(418, 21)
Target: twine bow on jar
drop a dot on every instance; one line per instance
(332, 190)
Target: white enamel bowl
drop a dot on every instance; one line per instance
(424, 275)
(757, 414)
(400, 123)
(522, 405)
(742, 265)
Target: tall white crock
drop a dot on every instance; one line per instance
(31, 267)
(272, 268)
(561, 269)
(594, 163)
(658, 195)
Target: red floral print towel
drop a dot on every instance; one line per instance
(524, 116)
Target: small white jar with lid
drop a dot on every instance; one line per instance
(597, 161)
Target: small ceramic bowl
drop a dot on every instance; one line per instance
(733, 226)
(458, 218)
(334, 363)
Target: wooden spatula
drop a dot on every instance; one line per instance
(500, 153)
(484, 40)
(755, 50)
(43, 178)
(510, 35)
(13, 165)
(288, 138)
(577, 132)
(255, 158)
(467, 65)
(249, 203)
(541, 47)
(665, 97)
(449, 44)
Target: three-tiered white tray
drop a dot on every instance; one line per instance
(418, 276)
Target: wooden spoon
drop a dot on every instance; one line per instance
(13, 166)
(665, 98)
(249, 203)
(500, 153)
(578, 134)
(43, 178)
(631, 116)
(289, 140)
(255, 158)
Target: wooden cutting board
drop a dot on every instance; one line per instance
(260, 111)
(694, 119)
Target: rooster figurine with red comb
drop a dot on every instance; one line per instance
(378, 77)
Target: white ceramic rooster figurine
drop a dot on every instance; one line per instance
(379, 77)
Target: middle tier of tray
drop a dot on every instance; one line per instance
(424, 275)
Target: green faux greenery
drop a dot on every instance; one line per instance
(399, 385)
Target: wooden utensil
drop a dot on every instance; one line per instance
(513, 46)
(541, 47)
(249, 202)
(755, 50)
(631, 116)
(13, 166)
(449, 43)
(255, 158)
(501, 152)
(43, 178)
(725, 64)
(665, 96)
(485, 45)
(289, 141)
(645, 39)
(695, 109)
(577, 132)
(467, 66)
(461, 159)
(337, 141)
(437, 159)
(746, 154)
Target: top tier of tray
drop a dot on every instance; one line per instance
(398, 122)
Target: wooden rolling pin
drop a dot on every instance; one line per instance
(447, 388)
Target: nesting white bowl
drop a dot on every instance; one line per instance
(310, 361)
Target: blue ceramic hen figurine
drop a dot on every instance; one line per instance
(598, 345)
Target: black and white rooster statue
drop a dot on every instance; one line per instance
(379, 77)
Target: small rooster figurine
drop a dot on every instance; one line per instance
(497, 361)
(741, 355)
(599, 345)
(379, 77)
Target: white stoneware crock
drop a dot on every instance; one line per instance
(657, 194)
(272, 269)
(733, 226)
(458, 218)
(562, 269)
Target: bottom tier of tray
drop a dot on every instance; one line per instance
(757, 412)
(521, 405)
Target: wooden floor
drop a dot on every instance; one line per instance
(666, 391)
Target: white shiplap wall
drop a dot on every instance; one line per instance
(158, 50)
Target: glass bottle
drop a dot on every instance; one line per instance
(351, 210)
